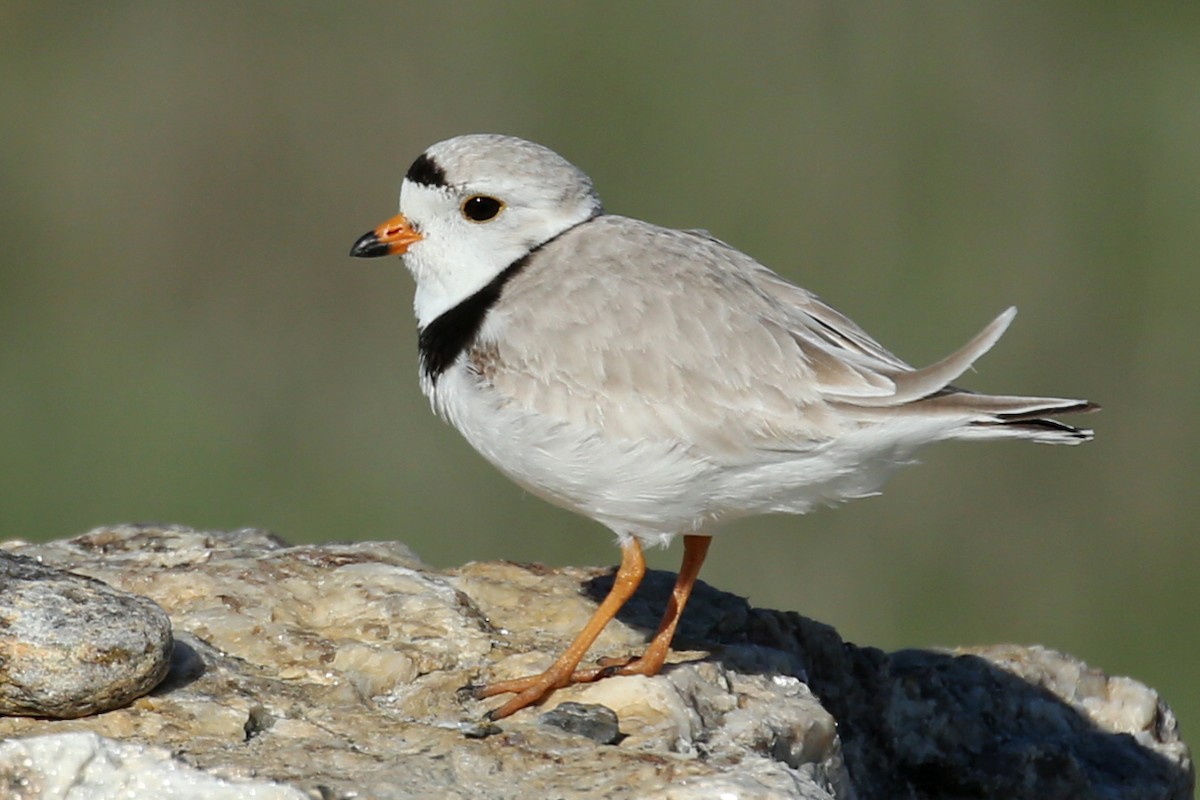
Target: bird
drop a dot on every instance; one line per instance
(658, 381)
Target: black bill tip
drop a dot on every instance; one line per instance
(369, 246)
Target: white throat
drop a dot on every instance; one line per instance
(442, 289)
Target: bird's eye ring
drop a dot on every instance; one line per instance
(481, 207)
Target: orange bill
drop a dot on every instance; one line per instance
(390, 239)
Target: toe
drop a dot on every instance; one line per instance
(468, 692)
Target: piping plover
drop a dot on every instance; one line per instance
(658, 381)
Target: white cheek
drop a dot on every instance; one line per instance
(458, 257)
(452, 263)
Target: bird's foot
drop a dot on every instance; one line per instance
(533, 689)
(527, 691)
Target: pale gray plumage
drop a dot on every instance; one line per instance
(661, 381)
(775, 370)
(658, 381)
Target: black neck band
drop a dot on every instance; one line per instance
(452, 333)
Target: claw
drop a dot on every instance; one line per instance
(609, 671)
(615, 661)
(469, 692)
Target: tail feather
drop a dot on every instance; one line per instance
(920, 383)
(927, 393)
(1004, 408)
(1043, 431)
(999, 416)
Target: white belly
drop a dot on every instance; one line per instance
(650, 489)
(654, 489)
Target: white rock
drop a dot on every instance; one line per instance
(85, 766)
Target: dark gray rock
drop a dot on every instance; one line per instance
(596, 722)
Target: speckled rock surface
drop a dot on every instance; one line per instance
(84, 766)
(333, 669)
(71, 645)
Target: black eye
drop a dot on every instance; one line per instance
(481, 208)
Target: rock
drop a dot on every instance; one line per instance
(84, 766)
(598, 723)
(333, 669)
(71, 645)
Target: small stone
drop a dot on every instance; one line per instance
(480, 730)
(257, 721)
(596, 722)
(71, 646)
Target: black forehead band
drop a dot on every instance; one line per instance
(426, 172)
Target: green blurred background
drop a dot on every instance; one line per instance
(183, 337)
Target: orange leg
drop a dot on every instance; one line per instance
(534, 688)
(695, 548)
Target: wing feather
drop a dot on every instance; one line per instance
(645, 332)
